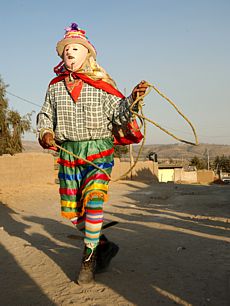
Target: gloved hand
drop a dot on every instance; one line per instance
(47, 140)
(139, 90)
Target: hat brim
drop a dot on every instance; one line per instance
(66, 41)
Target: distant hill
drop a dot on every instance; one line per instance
(185, 151)
(31, 146)
(175, 151)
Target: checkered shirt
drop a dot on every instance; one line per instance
(91, 117)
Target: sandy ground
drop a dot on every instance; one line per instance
(174, 247)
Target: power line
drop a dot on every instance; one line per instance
(188, 133)
(25, 100)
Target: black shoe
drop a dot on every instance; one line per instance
(106, 250)
(86, 274)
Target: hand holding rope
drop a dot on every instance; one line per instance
(139, 101)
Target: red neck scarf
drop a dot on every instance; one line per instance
(97, 84)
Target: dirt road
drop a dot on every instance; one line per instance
(174, 247)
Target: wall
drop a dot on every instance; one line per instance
(26, 168)
(166, 175)
(205, 176)
(185, 176)
(38, 168)
(143, 170)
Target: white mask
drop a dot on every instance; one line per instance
(74, 56)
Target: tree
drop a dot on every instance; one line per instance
(222, 163)
(120, 150)
(198, 163)
(12, 125)
(4, 133)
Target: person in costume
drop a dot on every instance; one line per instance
(82, 104)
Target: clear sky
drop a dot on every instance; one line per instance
(180, 46)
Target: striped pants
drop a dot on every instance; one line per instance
(84, 188)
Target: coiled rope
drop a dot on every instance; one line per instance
(150, 87)
(143, 118)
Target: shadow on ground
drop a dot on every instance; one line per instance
(168, 254)
(23, 288)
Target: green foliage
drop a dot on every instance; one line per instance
(120, 150)
(198, 163)
(12, 125)
(222, 163)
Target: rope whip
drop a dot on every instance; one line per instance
(143, 119)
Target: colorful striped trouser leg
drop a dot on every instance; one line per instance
(83, 190)
(91, 222)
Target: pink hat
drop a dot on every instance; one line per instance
(75, 35)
